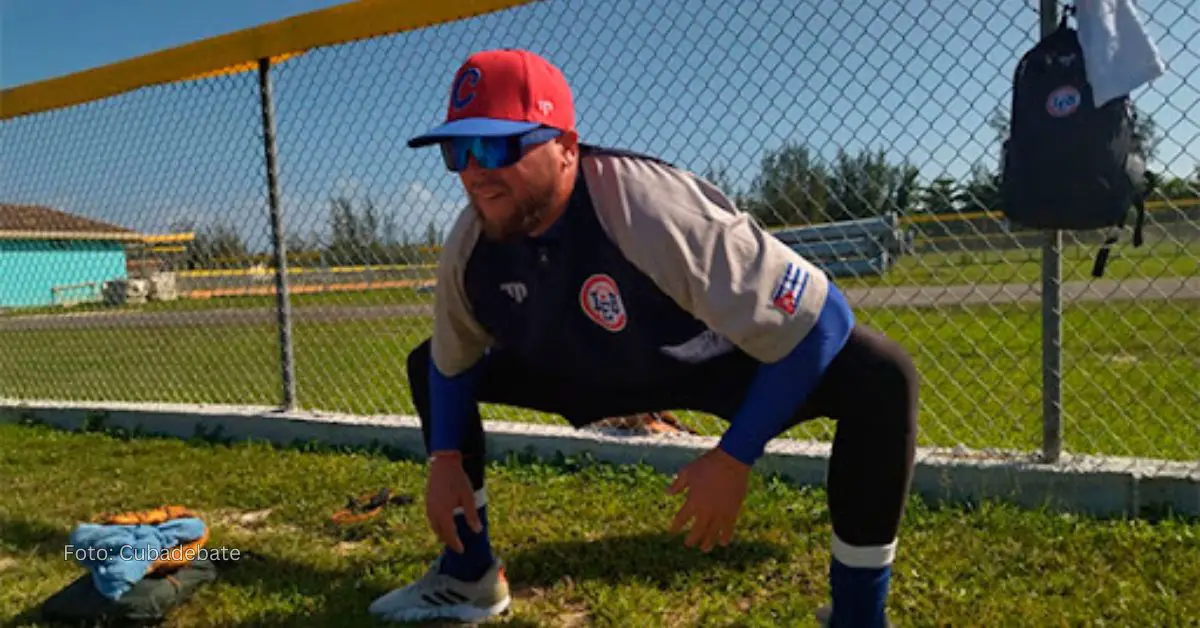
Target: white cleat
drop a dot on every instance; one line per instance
(438, 596)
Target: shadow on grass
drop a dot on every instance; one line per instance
(658, 558)
(33, 535)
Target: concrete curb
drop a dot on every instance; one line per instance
(1102, 486)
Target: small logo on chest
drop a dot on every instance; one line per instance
(601, 301)
(515, 290)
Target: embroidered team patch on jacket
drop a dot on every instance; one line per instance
(601, 301)
(790, 288)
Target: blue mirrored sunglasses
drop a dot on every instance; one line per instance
(493, 152)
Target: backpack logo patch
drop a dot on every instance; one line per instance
(790, 288)
(601, 301)
(1063, 101)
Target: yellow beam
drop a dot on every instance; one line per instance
(168, 238)
(1151, 206)
(249, 66)
(241, 50)
(298, 270)
(119, 236)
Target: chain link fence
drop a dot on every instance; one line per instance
(865, 134)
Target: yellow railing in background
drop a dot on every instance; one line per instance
(239, 51)
(1151, 206)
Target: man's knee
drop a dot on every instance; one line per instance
(908, 380)
(896, 382)
(899, 367)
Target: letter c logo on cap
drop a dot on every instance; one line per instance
(469, 78)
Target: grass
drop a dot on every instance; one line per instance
(1129, 389)
(586, 543)
(1152, 260)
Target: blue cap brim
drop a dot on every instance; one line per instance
(472, 127)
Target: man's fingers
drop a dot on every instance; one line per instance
(448, 533)
(681, 517)
(730, 524)
(441, 521)
(467, 501)
(698, 532)
(719, 533)
(679, 484)
(727, 532)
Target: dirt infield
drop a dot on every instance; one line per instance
(1167, 288)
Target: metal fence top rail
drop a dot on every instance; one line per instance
(240, 51)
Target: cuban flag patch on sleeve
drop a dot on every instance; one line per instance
(790, 288)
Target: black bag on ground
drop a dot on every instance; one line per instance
(1068, 164)
(147, 603)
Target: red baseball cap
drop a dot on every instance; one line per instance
(504, 92)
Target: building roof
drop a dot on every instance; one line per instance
(37, 222)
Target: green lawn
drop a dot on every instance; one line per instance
(586, 544)
(1158, 259)
(1130, 385)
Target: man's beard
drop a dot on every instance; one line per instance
(527, 214)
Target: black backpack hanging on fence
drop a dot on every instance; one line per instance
(1068, 164)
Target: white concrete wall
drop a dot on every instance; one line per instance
(1085, 484)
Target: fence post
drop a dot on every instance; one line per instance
(282, 299)
(1052, 430)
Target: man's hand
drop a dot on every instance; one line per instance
(716, 483)
(447, 488)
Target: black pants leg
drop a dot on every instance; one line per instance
(870, 390)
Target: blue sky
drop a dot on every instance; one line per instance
(695, 81)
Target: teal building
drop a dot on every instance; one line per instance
(50, 257)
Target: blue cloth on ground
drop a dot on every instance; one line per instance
(119, 555)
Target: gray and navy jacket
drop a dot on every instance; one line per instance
(650, 270)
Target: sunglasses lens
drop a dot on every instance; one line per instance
(495, 152)
(491, 152)
(455, 153)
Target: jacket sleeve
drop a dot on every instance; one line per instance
(459, 341)
(708, 256)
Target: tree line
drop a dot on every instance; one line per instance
(793, 186)
(355, 236)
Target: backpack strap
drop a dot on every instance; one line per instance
(1139, 221)
(1151, 182)
(1102, 256)
(1139, 205)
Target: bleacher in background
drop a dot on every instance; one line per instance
(852, 248)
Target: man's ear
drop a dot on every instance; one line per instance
(570, 148)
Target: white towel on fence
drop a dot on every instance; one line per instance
(1117, 53)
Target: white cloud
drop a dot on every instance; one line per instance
(420, 205)
(349, 186)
